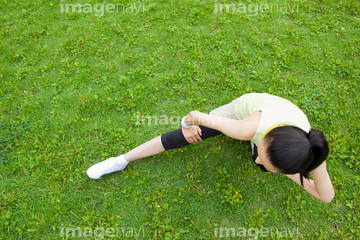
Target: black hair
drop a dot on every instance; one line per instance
(292, 150)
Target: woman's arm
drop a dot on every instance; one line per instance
(238, 129)
(320, 187)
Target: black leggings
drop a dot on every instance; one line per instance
(176, 139)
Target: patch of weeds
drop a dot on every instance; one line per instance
(193, 174)
(6, 213)
(161, 225)
(193, 171)
(257, 218)
(295, 204)
(229, 194)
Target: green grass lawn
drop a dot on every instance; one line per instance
(76, 86)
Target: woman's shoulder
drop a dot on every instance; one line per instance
(253, 122)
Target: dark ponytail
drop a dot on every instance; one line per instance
(292, 150)
(320, 150)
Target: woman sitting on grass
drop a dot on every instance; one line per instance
(281, 138)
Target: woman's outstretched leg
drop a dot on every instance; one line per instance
(114, 164)
(167, 141)
(150, 148)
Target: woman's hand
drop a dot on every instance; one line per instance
(193, 134)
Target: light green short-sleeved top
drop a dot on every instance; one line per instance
(275, 110)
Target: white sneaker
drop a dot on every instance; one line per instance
(108, 166)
